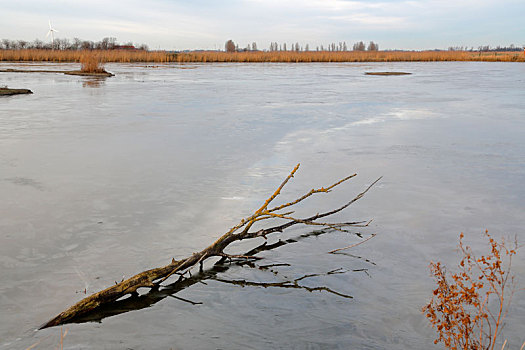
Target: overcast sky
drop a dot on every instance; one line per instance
(207, 24)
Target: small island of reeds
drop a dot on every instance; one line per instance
(91, 65)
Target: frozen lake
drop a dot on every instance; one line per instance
(101, 179)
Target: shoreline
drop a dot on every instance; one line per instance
(67, 72)
(5, 91)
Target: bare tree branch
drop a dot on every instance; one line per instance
(154, 277)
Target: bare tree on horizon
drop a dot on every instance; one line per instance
(230, 46)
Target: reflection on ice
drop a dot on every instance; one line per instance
(93, 82)
(394, 114)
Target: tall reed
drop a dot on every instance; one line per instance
(76, 55)
(91, 63)
(347, 56)
(260, 56)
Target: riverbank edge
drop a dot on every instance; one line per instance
(5, 91)
(73, 72)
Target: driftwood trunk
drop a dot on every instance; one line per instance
(154, 277)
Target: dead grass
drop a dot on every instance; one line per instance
(91, 63)
(260, 56)
(349, 56)
(76, 56)
(63, 334)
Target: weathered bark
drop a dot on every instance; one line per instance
(154, 277)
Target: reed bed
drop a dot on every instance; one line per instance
(79, 56)
(259, 56)
(348, 56)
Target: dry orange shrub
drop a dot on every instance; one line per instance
(467, 310)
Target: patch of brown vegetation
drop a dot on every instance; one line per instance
(348, 56)
(76, 55)
(259, 56)
(91, 63)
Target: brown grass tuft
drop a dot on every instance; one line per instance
(91, 63)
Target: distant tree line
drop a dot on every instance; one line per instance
(66, 44)
(230, 46)
(360, 46)
(487, 48)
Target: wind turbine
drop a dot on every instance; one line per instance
(52, 31)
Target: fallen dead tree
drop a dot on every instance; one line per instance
(154, 277)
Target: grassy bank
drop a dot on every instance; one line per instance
(260, 56)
